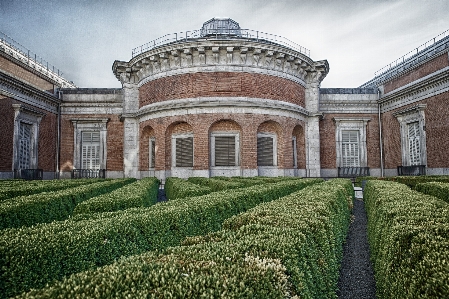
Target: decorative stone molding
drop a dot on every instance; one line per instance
(27, 94)
(89, 124)
(214, 56)
(220, 105)
(348, 103)
(29, 116)
(405, 117)
(352, 124)
(423, 88)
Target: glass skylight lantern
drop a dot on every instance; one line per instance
(220, 26)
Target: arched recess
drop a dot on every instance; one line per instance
(269, 139)
(298, 145)
(148, 149)
(225, 147)
(179, 146)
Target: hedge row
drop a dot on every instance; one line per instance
(22, 188)
(408, 233)
(216, 184)
(437, 189)
(142, 193)
(49, 206)
(32, 257)
(180, 188)
(286, 248)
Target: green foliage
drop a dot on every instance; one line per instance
(49, 206)
(142, 193)
(437, 189)
(216, 184)
(180, 188)
(10, 189)
(32, 257)
(282, 249)
(412, 181)
(408, 234)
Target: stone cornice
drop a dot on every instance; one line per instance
(29, 64)
(410, 110)
(216, 56)
(18, 90)
(348, 103)
(204, 105)
(423, 88)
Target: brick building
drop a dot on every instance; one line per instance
(232, 102)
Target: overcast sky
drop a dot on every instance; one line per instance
(83, 37)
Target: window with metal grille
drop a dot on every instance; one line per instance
(225, 151)
(350, 148)
(184, 151)
(152, 153)
(24, 145)
(90, 150)
(414, 143)
(265, 150)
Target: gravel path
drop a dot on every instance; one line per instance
(161, 195)
(356, 273)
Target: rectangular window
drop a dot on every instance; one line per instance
(152, 153)
(295, 153)
(184, 151)
(265, 151)
(350, 148)
(225, 151)
(24, 145)
(414, 143)
(90, 150)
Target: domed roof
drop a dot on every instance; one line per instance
(220, 26)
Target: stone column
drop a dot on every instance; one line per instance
(131, 131)
(312, 131)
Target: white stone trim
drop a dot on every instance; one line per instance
(348, 103)
(30, 116)
(418, 90)
(405, 117)
(212, 105)
(92, 125)
(30, 99)
(351, 124)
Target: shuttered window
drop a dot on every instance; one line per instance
(24, 146)
(152, 153)
(90, 150)
(294, 151)
(414, 143)
(184, 152)
(350, 148)
(265, 151)
(225, 151)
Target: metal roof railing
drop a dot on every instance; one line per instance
(412, 58)
(33, 60)
(246, 34)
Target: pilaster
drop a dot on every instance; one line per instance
(313, 162)
(131, 148)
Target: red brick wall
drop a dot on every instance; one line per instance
(47, 142)
(202, 124)
(114, 141)
(25, 75)
(222, 84)
(298, 132)
(435, 64)
(7, 133)
(437, 136)
(328, 154)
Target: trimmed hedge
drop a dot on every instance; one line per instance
(142, 193)
(180, 188)
(32, 257)
(23, 188)
(290, 247)
(408, 233)
(437, 189)
(412, 181)
(215, 184)
(49, 206)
